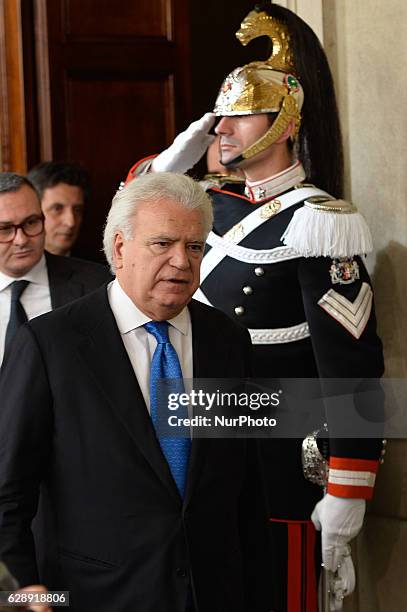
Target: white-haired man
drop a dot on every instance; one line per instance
(138, 524)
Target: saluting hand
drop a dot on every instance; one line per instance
(187, 148)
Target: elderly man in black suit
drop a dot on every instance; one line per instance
(138, 525)
(33, 281)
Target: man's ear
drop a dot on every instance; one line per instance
(288, 133)
(118, 245)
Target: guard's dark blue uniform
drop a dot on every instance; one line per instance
(284, 294)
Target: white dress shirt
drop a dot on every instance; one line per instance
(140, 345)
(35, 299)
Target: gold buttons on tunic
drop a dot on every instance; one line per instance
(247, 290)
(259, 271)
(239, 311)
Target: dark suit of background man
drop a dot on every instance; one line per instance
(78, 423)
(51, 281)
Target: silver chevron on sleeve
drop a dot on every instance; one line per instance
(352, 315)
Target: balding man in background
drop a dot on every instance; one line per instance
(33, 281)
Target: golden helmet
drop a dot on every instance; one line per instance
(264, 87)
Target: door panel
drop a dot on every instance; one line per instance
(119, 19)
(119, 89)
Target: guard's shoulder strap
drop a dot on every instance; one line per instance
(325, 227)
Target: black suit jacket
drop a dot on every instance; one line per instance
(71, 278)
(73, 420)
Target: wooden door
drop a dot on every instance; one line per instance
(106, 82)
(119, 87)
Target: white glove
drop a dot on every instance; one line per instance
(340, 520)
(187, 148)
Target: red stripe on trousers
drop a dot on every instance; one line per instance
(311, 585)
(295, 558)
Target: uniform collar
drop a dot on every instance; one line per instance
(38, 275)
(257, 191)
(129, 317)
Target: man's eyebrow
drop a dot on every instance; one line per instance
(173, 238)
(66, 204)
(23, 221)
(162, 237)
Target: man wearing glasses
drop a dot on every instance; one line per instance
(33, 281)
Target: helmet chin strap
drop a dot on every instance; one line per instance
(263, 143)
(288, 112)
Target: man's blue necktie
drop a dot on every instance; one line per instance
(165, 365)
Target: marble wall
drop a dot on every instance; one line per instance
(366, 44)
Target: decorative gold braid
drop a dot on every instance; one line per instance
(257, 24)
(321, 203)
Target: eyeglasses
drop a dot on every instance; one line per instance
(33, 226)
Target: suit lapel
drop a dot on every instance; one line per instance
(103, 352)
(62, 286)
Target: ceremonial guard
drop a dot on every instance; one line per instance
(285, 259)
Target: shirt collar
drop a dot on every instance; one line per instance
(276, 184)
(38, 275)
(129, 317)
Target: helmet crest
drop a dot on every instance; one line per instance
(259, 23)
